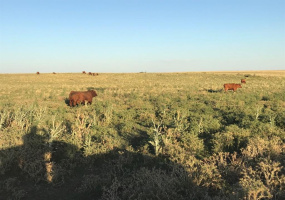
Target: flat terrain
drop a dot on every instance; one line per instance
(145, 136)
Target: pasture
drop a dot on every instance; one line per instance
(145, 136)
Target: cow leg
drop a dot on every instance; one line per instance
(71, 102)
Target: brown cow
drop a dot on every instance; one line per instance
(54, 73)
(95, 74)
(83, 72)
(242, 81)
(231, 86)
(77, 97)
(90, 73)
(38, 72)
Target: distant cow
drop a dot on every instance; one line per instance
(38, 72)
(231, 86)
(78, 97)
(95, 74)
(90, 73)
(83, 72)
(242, 81)
(54, 73)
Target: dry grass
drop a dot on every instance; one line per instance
(56, 87)
(178, 135)
(278, 73)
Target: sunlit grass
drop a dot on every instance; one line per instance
(174, 128)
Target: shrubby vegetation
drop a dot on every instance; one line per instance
(146, 136)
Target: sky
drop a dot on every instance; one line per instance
(141, 35)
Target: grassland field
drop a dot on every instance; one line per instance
(145, 136)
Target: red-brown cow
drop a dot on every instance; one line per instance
(38, 72)
(54, 73)
(90, 73)
(242, 81)
(83, 72)
(232, 86)
(78, 97)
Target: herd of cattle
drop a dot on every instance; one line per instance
(39, 73)
(80, 97)
(83, 72)
(90, 73)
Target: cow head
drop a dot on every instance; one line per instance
(94, 94)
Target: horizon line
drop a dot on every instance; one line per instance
(267, 70)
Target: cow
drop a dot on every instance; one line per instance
(83, 72)
(232, 86)
(90, 73)
(54, 73)
(38, 72)
(79, 97)
(242, 81)
(95, 74)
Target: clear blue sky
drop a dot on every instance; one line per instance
(141, 35)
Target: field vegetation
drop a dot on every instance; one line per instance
(145, 136)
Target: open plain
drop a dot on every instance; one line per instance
(145, 136)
